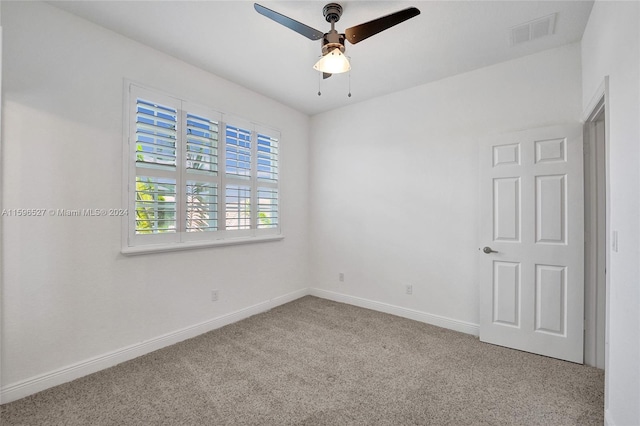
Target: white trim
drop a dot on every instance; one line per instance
(44, 381)
(1, 205)
(602, 90)
(596, 249)
(437, 320)
(608, 418)
(588, 113)
(190, 245)
(125, 189)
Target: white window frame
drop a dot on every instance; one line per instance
(133, 243)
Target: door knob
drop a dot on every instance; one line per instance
(488, 250)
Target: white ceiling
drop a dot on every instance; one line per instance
(231, 40)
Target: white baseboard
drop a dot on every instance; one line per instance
(41, 382)
(440, 321)
(66, 374)
(608, 420)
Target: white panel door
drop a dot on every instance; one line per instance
(531, 254)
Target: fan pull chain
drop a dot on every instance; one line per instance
(349, 84)
(319, 81)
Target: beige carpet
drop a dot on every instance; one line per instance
(317, 362)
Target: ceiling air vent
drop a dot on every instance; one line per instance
(533, 29)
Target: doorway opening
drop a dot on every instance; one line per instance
(596, 226)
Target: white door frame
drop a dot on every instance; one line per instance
(597, 229)
(1, 204)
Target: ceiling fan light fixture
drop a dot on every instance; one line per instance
(333, 62)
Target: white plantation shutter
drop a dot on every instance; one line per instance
(155, 205)
(267, 179)
(238, 207)
(202, 206)
(201, 175)
(202, 144)
(267, 158)
(186, 184)
(156, 134)
(267, 208)
(239, 171)
(238, 151)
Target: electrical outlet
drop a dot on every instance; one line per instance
(341, 277)
(214, 295)
(408, 289)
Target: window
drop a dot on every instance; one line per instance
(197, 177)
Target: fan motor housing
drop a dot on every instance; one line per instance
(332, 40)
(332, 12)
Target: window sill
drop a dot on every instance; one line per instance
(159, 248)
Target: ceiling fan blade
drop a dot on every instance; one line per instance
(326, 75)
(300, 28)
(363, 31)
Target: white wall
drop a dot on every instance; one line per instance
(611, 46)
(68, 294)
(394, 180)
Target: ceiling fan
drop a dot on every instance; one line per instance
(333, 60)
